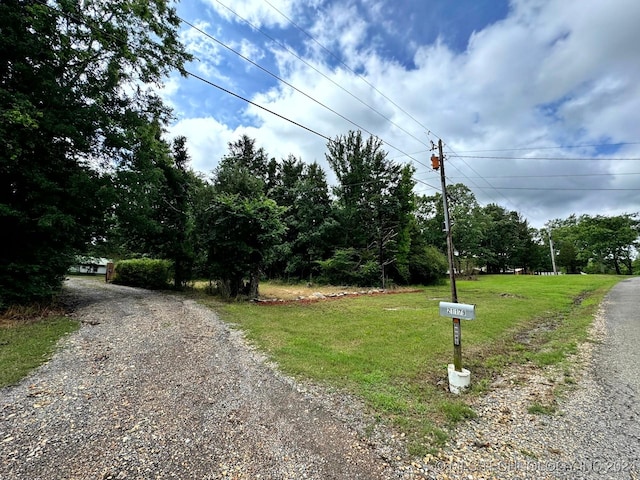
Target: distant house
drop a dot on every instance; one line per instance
(90, 265)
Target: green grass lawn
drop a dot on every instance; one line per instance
(26, 345)
(393, 350)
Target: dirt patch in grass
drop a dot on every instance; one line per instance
(327, 294)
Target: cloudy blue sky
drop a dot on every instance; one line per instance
(536, 101)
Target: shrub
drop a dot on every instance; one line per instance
(428, 266)
(143, 272)
(348, 267)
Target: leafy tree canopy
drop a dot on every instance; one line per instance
(75, 78)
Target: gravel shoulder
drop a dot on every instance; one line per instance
(155, 386)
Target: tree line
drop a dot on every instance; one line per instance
(86, 169)
(257, 217)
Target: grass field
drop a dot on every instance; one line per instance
(28, 342)
(393, 350)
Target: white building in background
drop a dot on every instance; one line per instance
(90, 265)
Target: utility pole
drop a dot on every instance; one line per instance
(447, 226)
(457, 331)
(553, 253)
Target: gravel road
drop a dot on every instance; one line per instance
(155, 386)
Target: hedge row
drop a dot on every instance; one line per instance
(143, 272)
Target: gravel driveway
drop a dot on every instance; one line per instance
(155, 386)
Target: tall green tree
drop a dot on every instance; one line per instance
(74, 77)
(613, 239)
(303, 190)
(374, 201)
(285, 178)
(243, 226)
(468, 224)
(507, 242)
(177, 215)
(244, 160)
(138, 187)
(600, 243)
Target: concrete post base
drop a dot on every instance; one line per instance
(458, 381)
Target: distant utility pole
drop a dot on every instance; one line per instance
(553, 253)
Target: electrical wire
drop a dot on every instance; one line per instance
(277, 77)
(571, 189)
(208, 82)
(595, 145)
(580, 159)
(622, 174)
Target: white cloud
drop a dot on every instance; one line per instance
(207, 52)
(553, 73)
(257, 12)
(341, 28)
(207, 141)
(250, 50)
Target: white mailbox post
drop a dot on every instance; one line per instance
(459, 378)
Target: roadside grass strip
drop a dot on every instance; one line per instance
(393, 350)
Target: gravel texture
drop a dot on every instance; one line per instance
(156, 386)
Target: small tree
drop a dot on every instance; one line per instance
(242, 233)
(242, 226)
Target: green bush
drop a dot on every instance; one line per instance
(143, 272)
(348, 267)
(428, 266)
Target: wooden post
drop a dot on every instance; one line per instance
(110, 271)
(457, 333)
(457, 345)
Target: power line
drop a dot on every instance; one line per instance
(277, 77)
(548, 158)
(571, 189)
(257, 105)
(595, 145)
(622, 174)
(297, 90)
(417, 180)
